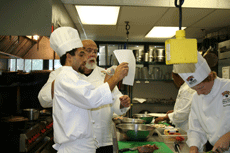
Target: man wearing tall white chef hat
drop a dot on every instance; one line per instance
(74, 97)
(102, 126)
(210, 111)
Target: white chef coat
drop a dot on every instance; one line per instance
(182, 107)
(103, 115)
(73, 99)
(44, 95)
(210, 115)
(103, 123)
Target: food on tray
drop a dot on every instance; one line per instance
(171, 131)
(180, 139)
(147, 148)
(159, 125)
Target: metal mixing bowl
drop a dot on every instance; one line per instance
(137, 132)
(132, 121)
(148, 118)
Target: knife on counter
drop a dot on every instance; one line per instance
(127, 149)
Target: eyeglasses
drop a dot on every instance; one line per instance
(90, 50)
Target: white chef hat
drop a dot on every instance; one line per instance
(65, 39)
(201, 72)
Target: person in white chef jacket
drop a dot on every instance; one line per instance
(102, 116)
(74, 97)
(179, 116)
(102, 123)
(210, 111)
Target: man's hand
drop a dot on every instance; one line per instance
(125, 101)
(170, 111)
(107, 77)
(193, 149)
(121, 71)
(222, 144)
(159, 119)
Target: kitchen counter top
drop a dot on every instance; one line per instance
(119, 137)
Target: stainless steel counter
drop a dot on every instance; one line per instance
(119, 137)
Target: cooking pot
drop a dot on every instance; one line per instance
(151, 55)
(140, 55)
(159, 55)
(31, 113)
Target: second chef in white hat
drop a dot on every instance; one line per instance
(210, 112)
(73, 97)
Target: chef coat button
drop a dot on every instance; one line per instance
(93, 121)
(113, 98)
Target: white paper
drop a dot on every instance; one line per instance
(140, 100)
(125, 55)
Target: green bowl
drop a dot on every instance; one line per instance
(148, 118)
(136, 132)
(137, 135)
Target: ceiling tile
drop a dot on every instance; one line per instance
(140, 15)
(143, 19)
(189, 16)
(219, 18)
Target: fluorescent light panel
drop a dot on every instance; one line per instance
(163, 32)
(99, 15)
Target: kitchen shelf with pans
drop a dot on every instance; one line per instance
(152, 63)
(149, 80)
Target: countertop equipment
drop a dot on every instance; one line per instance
(33, 137)
(36, 135)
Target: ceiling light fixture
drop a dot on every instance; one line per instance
(34, 37)
(162, 32)
(98, 15)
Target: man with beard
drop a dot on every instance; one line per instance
(102, 116)
(73, 97)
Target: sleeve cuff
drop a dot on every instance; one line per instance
(193, 142)
(170, 116)
(124, 110)
(45, 97)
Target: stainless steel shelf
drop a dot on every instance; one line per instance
(143, 80)
(152, 63)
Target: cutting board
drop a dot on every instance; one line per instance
(130, 144)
